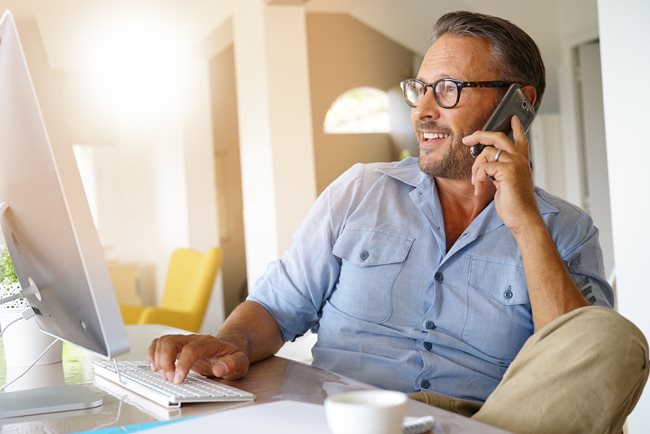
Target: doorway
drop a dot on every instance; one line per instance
(592, 146)
(228, 176)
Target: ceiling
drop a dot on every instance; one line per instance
(66, 26)
(409, 22)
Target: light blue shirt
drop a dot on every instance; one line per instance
(369, 272)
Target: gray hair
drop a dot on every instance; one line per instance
(515, 53)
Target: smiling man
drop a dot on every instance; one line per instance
(441, 121)
(450, 278)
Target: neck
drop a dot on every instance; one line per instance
(459, 194)
(459, 205)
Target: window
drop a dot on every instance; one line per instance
(357, 111)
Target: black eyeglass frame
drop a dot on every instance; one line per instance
(460, 85)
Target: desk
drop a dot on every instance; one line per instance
(273, 379)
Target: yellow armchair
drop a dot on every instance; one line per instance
(190, 277)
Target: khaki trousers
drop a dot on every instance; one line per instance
(582, 373)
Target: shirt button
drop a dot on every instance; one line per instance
(507, 294)
(430, 325)
(428, 346)
(425, 384)
(439, 277)
(364, 255)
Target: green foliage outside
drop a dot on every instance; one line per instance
(7, 270)
(8, 282)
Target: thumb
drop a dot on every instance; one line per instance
(231, 366)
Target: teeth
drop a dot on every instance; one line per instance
(430, 136)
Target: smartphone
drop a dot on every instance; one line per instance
(514, 102)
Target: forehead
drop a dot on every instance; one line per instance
(465, 58)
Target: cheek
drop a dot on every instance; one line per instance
(468, 123)
(455, 124)
(414, 116)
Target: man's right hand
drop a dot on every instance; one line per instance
(175, 355)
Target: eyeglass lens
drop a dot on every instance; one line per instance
(445, 92)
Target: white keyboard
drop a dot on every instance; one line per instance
(137, 377)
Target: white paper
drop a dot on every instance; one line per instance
(280, 417)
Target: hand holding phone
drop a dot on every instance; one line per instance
(514, 102)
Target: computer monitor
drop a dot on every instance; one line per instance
(45, 218)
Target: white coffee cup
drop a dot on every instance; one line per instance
(366, 412)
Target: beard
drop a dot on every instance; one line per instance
(457, 162)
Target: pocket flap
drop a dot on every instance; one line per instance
(502, 281)
(366, 247)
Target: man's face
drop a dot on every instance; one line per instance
(439, 131)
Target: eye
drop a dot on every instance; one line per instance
(447, 87)
(413, 91)
(415, 88)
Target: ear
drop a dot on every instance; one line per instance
(530, 93)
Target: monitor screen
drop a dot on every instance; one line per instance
(46, 220)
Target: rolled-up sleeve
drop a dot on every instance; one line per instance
(294, 288)
(577, 242)
(585, 264)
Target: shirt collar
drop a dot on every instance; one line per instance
(544, 206)
(408, 171)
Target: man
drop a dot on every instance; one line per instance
(430, 279)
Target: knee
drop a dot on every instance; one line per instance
(613, 335)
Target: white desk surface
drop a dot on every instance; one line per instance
(273, 379)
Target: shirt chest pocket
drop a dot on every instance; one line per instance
(499, 318)
(370, 263)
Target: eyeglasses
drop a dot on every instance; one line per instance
(446, 91)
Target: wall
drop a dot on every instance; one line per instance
(585, 159)
(229, 189)
(275, 127)
(624, 41)
(547, 154)
(343, 54)
(577, 24)
(196, 146)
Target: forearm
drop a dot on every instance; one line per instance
(253, 330)
(551, 289)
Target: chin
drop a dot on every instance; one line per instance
(445, 168)
(427, 165)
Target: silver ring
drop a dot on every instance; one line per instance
(497, 155)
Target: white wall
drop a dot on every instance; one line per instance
(275, 129)
(200, 177)
(577, 24)
(624, 41)
(545, 137)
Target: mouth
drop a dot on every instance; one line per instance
(432, 136)
(431, 139)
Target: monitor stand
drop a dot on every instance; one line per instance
(45, 400)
